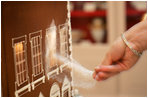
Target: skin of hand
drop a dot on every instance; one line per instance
(120, 58)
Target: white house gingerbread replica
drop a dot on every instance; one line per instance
(33, 34)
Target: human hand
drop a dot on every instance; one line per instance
(120, 58)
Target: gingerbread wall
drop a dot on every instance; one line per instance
(22, 21)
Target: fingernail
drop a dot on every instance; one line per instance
(96, 78)
(98, 67)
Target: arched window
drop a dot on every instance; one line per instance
(66, 88)
(55, 90)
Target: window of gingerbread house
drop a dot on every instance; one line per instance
(38, 76)
(63, 33)
(63, 30)
(21, 68)
(51, 50)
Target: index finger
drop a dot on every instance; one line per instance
(109, 68)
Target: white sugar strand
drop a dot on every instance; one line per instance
(82, 77)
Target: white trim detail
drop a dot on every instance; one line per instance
(66, 87)
(63, 66)
(42, 79)
(69, 25)
(50, 74)
(70, 42)
(55, 90)
(17, 92)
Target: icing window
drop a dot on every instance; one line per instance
(36, 51)
(63, 30)
(20, 63)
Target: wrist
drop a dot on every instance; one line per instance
(131, 46)
(137, 36)
(134, 42)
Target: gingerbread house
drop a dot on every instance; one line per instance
(33, 34)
